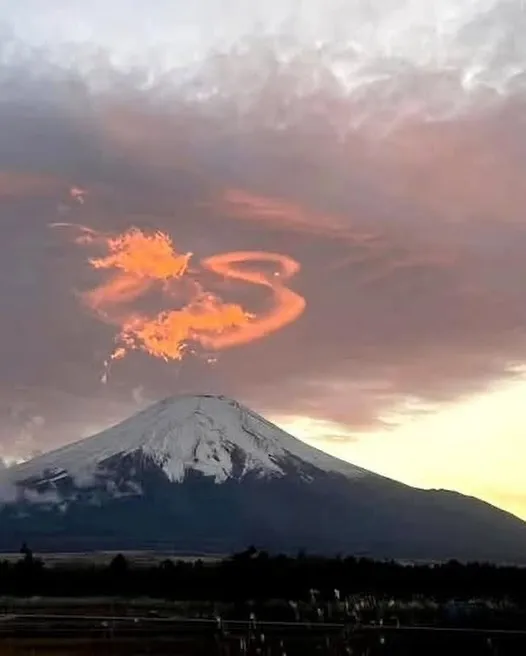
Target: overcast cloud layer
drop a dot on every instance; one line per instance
(380, 144)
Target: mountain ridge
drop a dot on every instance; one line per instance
(191, 432)
(204, 473)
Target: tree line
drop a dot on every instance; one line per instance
(257, 575)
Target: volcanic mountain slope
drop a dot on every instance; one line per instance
(205, 474)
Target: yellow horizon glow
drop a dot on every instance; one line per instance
(476, 446)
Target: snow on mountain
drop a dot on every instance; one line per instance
(205, 474)
(202, 433)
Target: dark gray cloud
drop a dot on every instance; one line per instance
(396, 182)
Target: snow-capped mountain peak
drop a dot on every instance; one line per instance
(200, 474)
(207, 434)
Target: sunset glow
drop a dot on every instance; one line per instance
(465, 446)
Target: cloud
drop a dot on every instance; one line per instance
(381, 146)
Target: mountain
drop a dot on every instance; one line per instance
(205, 474)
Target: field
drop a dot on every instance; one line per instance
(253, 604)
(81, 635)
(102, 558)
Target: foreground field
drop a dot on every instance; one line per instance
(83, 636)
(254, 603)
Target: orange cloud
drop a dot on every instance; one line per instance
(141, 261)
(286, 215)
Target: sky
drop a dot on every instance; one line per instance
(316, 207)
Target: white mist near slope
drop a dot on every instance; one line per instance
(204, 433)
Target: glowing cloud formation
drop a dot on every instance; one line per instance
(146, 262)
